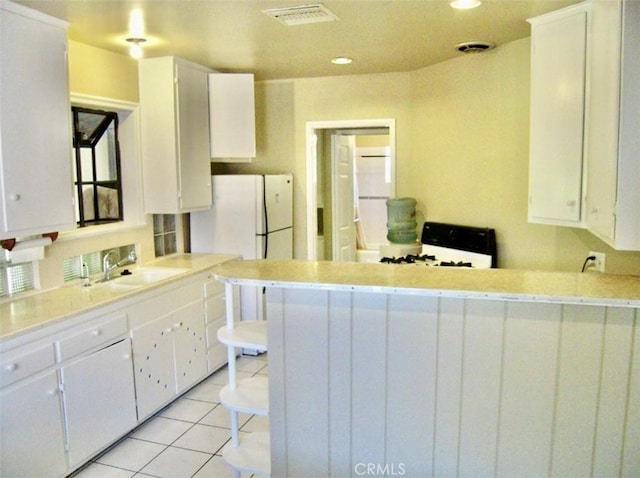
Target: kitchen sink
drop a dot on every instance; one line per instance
(115, 286)
(140, 277)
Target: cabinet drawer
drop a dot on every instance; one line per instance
(213, 287)
(214, 308)
(22, 366)
(92, 337)
(148, 310)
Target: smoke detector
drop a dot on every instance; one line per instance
(474, 46)
(302, 14)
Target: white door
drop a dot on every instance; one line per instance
(344, 230)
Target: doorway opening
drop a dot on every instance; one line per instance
(350, 175)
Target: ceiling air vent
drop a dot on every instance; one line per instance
(474, 46)
(302, 14)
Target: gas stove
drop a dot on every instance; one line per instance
(451, 245)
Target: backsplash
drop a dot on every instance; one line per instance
(73, 266)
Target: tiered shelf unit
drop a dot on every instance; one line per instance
(252, 453)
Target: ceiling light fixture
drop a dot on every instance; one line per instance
(465, 4)
(135, 50)
(341, 60)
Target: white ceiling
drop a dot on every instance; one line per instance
(236, 36)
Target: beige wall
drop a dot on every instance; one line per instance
(462, 149)
(469, 161)
(281, 127)
(462, 143)
(97, 73)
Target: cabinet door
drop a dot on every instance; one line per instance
(31, 430)
(604, 115)
(36, 180)
(232, 116)
(99, 400)
(190, 345)
(558, 60)
(153, 365)
(174, 135)
(193, 124)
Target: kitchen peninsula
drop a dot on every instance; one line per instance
(441, 372)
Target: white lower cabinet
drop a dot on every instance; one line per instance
(69, 392)
(99, 400)
(153, 365)
(31, 429)
(189, 344)
(169, 352)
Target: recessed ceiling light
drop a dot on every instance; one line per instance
(341, 60)
(465, 4)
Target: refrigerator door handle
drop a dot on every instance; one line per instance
(266, 218)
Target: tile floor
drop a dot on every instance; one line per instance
(185, 439)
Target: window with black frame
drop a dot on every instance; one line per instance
(97, 177)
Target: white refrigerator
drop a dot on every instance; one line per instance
(251, 215)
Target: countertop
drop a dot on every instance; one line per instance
(33, 311)
(503, 284)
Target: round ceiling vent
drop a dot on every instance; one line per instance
(474, 46)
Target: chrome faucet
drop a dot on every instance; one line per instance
(107, 267)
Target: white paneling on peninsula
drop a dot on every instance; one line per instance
(584, 165)
(36, 184)
(435, 372)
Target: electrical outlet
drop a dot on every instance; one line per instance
(598, 262)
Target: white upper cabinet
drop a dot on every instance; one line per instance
(232, 117)
(613, 147)
(558, 61)
(584, 168)
(36, 182)
(175, 135)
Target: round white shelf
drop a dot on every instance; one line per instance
(249, 335)
(251, 395)
(252, 455)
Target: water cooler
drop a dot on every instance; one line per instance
(401, 228)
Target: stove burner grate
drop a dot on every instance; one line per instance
(408, 259)
(455, 264)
